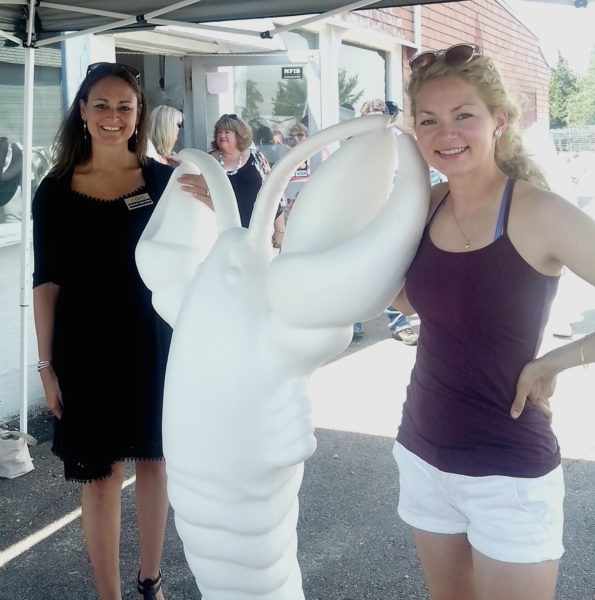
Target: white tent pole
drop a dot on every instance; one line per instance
(117, 15)
(168, 23)
(91, 31)
(26, 215)
(315, 18)
(121, 22)
(170, 8)
(8, 36)
(87, 11)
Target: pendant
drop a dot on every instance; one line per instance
(467, 245)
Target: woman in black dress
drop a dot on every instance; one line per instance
(245, 166)
(102, 347)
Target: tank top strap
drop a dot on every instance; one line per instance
(502, 223)
(440, 205)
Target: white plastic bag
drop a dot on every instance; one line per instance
(14, 453)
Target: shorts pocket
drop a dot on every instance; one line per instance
(541, 496)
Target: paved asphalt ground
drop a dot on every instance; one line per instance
(352, 545)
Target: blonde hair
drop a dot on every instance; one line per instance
(373, 106)
(511, 155)
(164, 128)
(298, 128)
(233, 123)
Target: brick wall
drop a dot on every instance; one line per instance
(500, 35)
(486, 23)
(394, 22)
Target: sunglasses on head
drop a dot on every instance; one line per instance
(109, 67)
(456, 55)
(230, 116)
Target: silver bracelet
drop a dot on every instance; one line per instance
(43, 364)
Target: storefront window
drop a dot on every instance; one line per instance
(271, 99)
(362, 76)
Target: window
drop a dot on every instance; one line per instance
(362, 76)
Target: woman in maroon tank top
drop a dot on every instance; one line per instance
(476, 422)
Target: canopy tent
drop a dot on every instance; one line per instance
(51, 18)
(37, 22)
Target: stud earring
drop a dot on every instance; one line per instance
(497, 133)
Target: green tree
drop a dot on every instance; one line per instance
(251, 113)
(563, 84)
(290, 99)
(581, 106)
(347, 85)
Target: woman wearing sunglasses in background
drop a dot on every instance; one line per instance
(102, 347)
(165, 124)
(480, 475)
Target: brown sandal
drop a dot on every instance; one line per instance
(149, 587)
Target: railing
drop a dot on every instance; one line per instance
(574, 139)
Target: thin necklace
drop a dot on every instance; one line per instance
(233, 171)
(467, 241)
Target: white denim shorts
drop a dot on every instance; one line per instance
(511, 519)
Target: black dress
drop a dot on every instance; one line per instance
(246, 183)
(109, 345)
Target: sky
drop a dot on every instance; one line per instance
(560, 27)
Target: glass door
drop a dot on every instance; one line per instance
(271, 92)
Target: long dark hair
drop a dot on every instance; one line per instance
(71, 146)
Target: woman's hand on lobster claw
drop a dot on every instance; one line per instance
(197, 186)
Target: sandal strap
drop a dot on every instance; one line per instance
(149, 587)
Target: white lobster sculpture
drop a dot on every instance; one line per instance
(249, 329)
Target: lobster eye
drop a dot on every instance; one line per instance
(233, 274)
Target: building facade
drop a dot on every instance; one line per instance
(490, 24)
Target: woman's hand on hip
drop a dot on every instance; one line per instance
(536, 384)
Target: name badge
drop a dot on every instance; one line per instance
(138, 201)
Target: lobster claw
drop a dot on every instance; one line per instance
(182, 231)
(347, 249)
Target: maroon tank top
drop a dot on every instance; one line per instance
(482, 315)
